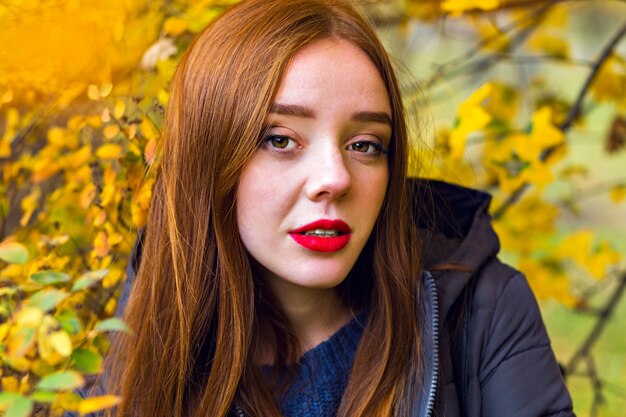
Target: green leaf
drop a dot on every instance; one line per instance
(43, 396)
(13, 253)
(88, 279)
(50, 277)
(46, 300)
(69, 321)
(20, 407)
(61, 381)
(113, 324)
(7, 398)
(86, 360)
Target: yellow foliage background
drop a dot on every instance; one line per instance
(83, 85)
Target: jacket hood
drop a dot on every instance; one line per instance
(456, 234)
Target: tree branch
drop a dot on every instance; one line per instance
(603, 318)
(457, 64)
(596, 385)
(571, 117)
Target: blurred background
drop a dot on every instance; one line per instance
(523, 98)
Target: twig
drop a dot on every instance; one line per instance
(569, 121)
(577, 106)
(442, 71)
(531, 59)
(596, 385)
(597, 330)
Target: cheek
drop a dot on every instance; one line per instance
(258, 201)
(376, 190)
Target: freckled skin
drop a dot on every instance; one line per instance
(325, 165)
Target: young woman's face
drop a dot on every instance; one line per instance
(309, 198)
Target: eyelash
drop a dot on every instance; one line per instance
(379, 149)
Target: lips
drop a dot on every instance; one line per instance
(323, 235)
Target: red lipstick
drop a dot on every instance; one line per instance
(323, 235)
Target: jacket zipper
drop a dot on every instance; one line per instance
(434, 377)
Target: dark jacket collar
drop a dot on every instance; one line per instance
(455, 230)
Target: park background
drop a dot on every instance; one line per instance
(523, 98)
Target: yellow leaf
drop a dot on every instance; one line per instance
(148, 129)
(494, 40)
(29, 204)
(61, 342)
(20, 363)
(110, 307)
(112, 278)
(94, 121)
(537, 173)
(174, 26)
(106, 115)
(29, 317)
(109, 191)
(610, 83)
(503, 101)
(87, 195)
(111, 131)
(576, 246)
(472, 117)
(4, 331)
(5, 148)
(549, 45)
(548, 281)
(602, 258)
(7, 96)
(96, 93)
(99, 217)
(93, 404)
(150, 151)
(21, 343)
(618, 193)
(68, 400)
(101, 244)
(114, 237)
(25, 384)
(109, 151)
(10, 384)
(457, 7)
(56, 136)
(120, 106)
(75, 123)
(80, 157)
(105, 89)
(93, 92)
(44, 169)
(131, 131)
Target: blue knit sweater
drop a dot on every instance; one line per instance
(324, 373)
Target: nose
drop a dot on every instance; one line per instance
(328, 175)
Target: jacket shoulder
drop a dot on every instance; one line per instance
(515, 370)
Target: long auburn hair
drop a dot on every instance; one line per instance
(196, 306)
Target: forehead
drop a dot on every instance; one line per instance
(334, 71)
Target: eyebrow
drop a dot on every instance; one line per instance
(306, 112)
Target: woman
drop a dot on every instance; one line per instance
(281, 269)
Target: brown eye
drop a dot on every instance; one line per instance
(367, 147)
(361, 146)
(280, 142)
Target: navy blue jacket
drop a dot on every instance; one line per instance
(494, 354)
(489, 351)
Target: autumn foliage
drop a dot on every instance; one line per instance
(83, 86)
